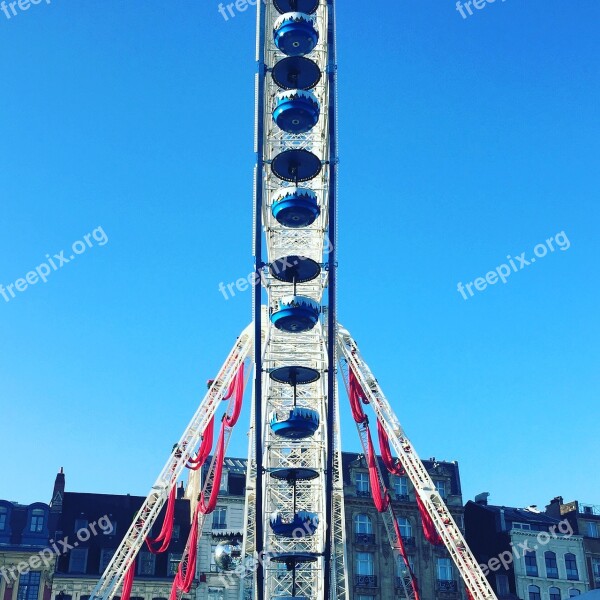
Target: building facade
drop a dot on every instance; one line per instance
(585, 521)
(525, 553)
(372, 569)
(26, 563)
(93, 525)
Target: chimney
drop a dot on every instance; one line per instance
(180, 491)
(482, 499)
(553, 509)
(58, 492)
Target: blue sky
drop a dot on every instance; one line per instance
(462, 141)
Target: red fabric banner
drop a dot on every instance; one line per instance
(382, 501)
(356, 395)
(206, 509)
(167, 527)
(431, 534)
(183, 581)
(238, 387)
(128, 582)
(205, 447)
(395, 468)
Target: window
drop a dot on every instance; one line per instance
(362, 484)
(224, 477)
(77, 560)
(596, 569)
(363, 524)
(502, 585)
(80, 524)
(401, 487)
(592, 529)
(573, 592)
(364, 563)
(176, 532)
(3, 517)
(444, 569)
(213, 565)
(531, 567)
(146, 562)
(554, 593)
(105, 557)
(405, 527)
(216, 593)
(551, 565)
(174, 560)
(365, 597)
(441, 487)
(38, 516)
(534, 593)
(29, 586)
(220, 518)
(525, 526)
(571, 564)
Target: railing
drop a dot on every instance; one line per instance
(219, 525)
(589, 509)
(408, 541)
(366, 539)
(445, 585)
(368, 581)
(363, 493)
(403, 497)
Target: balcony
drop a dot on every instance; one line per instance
(445, 585)
(365, 539)
(365, 581)
(408, 541)
(363, 493)
(403, 497)
(220, 526)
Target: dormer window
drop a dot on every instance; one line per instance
(3, 517)
(36, 524)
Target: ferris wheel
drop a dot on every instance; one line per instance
(291, 356)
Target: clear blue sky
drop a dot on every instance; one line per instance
(462, 141)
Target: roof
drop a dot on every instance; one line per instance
(520, 515)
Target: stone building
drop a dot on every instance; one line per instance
(525, 553)
(26, 561)
(585, 520)
(372, 569)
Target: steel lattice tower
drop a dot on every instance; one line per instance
(294, 542)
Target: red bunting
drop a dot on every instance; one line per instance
(356, 395)
(183, 581)
(205, 447)
(395, 468)
(128, 582)
(382, 501)
(236, 387)
(206, 509)
(431, 534)
(166, 530)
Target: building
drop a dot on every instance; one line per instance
(524, 552)
(585, 521)
(372, 569)
(93, 526)
(26, 562)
